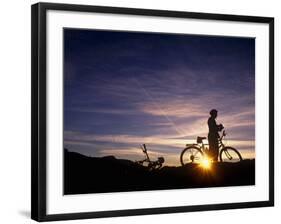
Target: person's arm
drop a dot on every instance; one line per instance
(220, 127)
(213, 127)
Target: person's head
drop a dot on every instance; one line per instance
(214, 113)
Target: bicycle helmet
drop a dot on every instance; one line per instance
(213, 112)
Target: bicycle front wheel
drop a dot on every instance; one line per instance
(191, 154)
(230, 154)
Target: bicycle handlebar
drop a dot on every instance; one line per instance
(144, 147)
(223, 134)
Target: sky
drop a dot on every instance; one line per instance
(123, 89)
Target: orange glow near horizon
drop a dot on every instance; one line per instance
(127, 146)
(206, 163)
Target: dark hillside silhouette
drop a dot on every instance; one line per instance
(84, 174)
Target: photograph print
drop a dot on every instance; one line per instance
(157, 111)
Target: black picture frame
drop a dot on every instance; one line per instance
(39, 122)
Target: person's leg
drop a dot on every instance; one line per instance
(216, 150)
(211, 147)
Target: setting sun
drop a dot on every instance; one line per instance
(206, 163)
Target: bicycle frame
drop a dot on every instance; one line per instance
(221, 145)
(203, 147)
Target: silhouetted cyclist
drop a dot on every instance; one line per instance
(213, 135)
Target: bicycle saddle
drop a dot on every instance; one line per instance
(200, 139)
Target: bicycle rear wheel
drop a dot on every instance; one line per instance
(230, 154)
(191, 154)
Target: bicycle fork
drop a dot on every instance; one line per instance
(228, 155)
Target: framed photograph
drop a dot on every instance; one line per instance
(139, 111)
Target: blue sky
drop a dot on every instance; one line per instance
(123, 89)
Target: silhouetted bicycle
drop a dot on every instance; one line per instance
(151, 165)
(194, 153)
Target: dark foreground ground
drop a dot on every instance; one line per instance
(84, 174)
